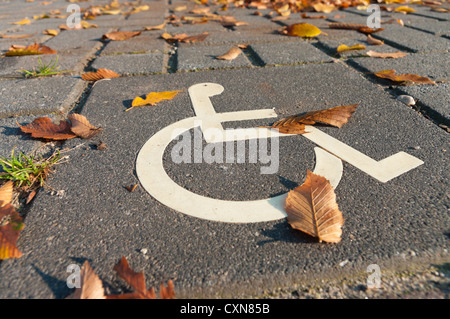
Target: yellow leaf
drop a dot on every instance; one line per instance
(343, 47)
(23, 22)
(325, 8)
(87, 25)
(302, 30)
(111, 12)
(51, 32)
(153, 98)
(404, 9)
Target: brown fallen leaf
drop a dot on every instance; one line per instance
(344, 48)
(153, 98)
(43, 127)
(156, 27)
(30, 197)
(403, 78)
(195, 38)
(389, 55)
(367, 30)
(230, 21)
(137, 281)
(33, 49)
(372, 41)
(81, 126)
(6, 192)
(91, 286)
(15, 36)
(131, 188)
(312, 209)
(184, 37)
(353, 26)
(336, 116)
(325, 8)
(232, 54)
(10, 226)
(120, 35)
(306, 16)
(99, 74)
(101, 146)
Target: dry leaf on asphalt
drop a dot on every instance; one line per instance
(81, 126)
(304, 30)
(52, 32)
(389, 55)
(91, 286)
(43, 127)
(325, 8)
(336, 116)
(312, 209)
(232, 54)
(87, 25)
(403, 78)
(153, 98)
(6, 192)
(344, 48)
(100, 74)
(372, 41)
(10, 226)
(156, 27)
(184, 37)
(404, 9)
(120, 35)
(137, 281)
(230, 21)
(33, 49)
(306, 16)
(22, 22)
(15, 36)
(353, 26)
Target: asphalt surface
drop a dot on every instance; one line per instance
(86, 212)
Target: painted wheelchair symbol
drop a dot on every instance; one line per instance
(329, 157)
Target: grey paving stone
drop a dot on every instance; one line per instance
(192, 28)
(256, 22)
(100, 221)
(131, 64)
(39, 96)
(434, 14)
(429, 65)
(436, 28)
(434, 97)
(414, 40)
(198, 58)
(242, 37)
(148, 41)
(289, 53)
(77, 40)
